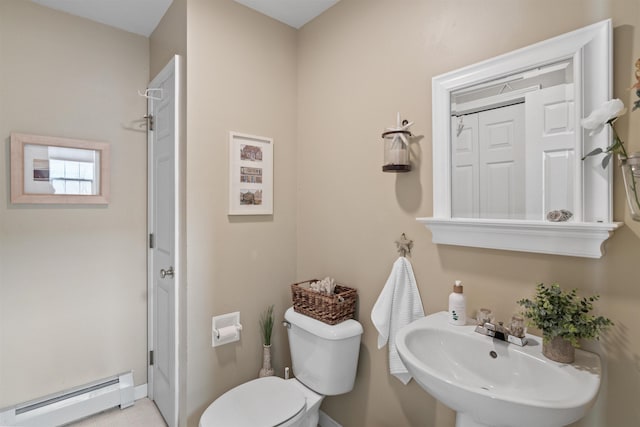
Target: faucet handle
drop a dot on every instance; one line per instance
(517, 326)
(483, 316)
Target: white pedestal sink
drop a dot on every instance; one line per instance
(491, 383)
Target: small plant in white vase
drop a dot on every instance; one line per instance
(564, 319)
(266, 329)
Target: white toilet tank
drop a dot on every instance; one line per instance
(324, 357)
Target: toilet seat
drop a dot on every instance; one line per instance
(264, 402)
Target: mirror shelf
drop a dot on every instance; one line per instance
(571, 239)
(551, 177)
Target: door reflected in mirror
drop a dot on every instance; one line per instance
(513, 145)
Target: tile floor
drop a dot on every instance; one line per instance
(143, 414)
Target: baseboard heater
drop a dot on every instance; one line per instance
(71, 405)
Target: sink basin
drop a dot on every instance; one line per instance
(491, 383)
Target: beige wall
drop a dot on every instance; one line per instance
(72, 279)
(360, 63)
(241, 73)
(169, 38)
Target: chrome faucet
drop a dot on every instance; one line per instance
(501, 332)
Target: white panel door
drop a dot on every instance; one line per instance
(465, 178)
(502, 162)
(551, 146)
(163, 257)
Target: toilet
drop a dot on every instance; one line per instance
(324, 359)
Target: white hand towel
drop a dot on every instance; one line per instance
(398, 305)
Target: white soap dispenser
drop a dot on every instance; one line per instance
(457, 306)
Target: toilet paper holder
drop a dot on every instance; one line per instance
(222, 331)
(225, 329)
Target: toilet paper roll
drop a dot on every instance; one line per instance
(227, 333)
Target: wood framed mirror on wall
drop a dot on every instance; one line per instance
(54, 170)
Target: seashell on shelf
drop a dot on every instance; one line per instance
(561, 215)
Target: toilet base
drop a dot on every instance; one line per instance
(314, 400)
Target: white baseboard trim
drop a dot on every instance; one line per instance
(326, 421)
(76, 403)
(140, 391)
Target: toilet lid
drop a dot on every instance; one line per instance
(265, 402)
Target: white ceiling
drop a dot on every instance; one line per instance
(142, 16)
(136, 16)
(295, 13)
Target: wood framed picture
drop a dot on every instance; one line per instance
(46, 169)
(250, 174)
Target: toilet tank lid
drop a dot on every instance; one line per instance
(347, 329)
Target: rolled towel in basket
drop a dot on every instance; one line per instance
(324, 286)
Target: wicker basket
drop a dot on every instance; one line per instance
(329, 309)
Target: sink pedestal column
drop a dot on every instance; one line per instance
(465, 420)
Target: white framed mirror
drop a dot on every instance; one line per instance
(507, 149)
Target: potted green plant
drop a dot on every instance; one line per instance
(266, 328)
(564, 318)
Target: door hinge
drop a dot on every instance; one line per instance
(150, 120)
(152, 242)
(150, 357)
